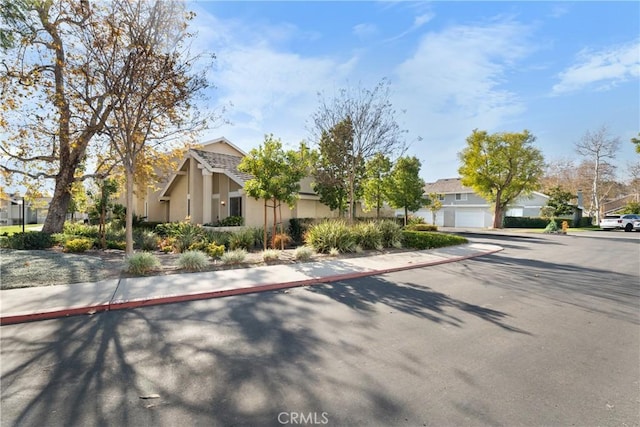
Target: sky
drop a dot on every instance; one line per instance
(557, 69)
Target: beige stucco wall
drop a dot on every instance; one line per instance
(178, 204)
(221, 147)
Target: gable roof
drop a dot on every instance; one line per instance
(213, 162)
(222, 163)
(447, 186)
(223, 140)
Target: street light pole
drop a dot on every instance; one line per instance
(23, 211)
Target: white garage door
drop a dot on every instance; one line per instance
(473, 218)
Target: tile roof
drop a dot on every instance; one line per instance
(447, 186)
(226, 162)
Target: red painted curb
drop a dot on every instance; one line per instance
(54, 314)
(124, 305)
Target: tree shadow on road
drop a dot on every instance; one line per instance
(417, 300)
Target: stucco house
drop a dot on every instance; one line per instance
(207, 187)
(462, 207)
(12, 209)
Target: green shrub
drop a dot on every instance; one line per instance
(552, 227)
(536, 222)
(330, 234)
(429, 240)
(166, 245)
(145, 239)
(141, 263)
(217, 237)
(114, 232)
(187, 235)
(175, 229)
(258, 236)
(243, 239)
(4, 241)
(303, 253)
(367, 235)
(421, 227)
(214, 250)
(415, 220)
(30, 240)
(193, 261)
(391, 233)
(298, 227)
(77, 245)
(80, 229)
(231, 221)
(269, 255)
(235, 256)
(116, 244)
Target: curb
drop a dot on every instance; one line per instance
(170, 299)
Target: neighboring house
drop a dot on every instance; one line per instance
(616, 205)
(11, 210)
(207, 187)
(462, 207)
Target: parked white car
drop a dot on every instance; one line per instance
(619, 222)
(636, 225)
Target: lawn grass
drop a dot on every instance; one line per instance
(10, 229)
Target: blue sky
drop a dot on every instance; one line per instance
(558, 69)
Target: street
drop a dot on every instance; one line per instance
(546, 332)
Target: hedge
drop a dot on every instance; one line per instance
(537, 222)
(430, 240)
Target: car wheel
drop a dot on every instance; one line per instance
(628, 227)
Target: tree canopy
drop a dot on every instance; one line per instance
(376, 182)
(405, 187)
(373, 123)
(500, 167)
(276, 175)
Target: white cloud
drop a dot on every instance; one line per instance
(418, 22)
(270, 89)
(453, 84)
(601, 69)
(365, 30)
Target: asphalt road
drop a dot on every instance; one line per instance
(546, 332)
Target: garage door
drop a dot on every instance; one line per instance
(473, 218)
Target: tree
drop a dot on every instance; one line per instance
(276, 176)
(377, 171)
(52, 103)
(331, 174)
(406, 188)
(79, 200)
(599, 148)
(559, 202)
(500, 167)
(149, 76)
(373, 125)
(636, 141)
(631, 208)
(435, 204)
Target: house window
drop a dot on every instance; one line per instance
(441, 197)
(235, 206)
(461, 196)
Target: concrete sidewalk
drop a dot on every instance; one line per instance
(39, 303)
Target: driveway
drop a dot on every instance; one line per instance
(546, 332)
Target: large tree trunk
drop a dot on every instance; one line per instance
(59, 205)
(129, 212)
(497, 215)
